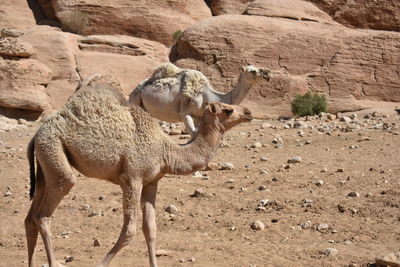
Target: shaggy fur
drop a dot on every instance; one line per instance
(173, 94)
(98, 134)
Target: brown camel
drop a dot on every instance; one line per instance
(98, 134)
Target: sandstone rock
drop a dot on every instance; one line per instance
(21, 84)
(54, 48)
(59, 91)
(10, 33)
(16, 15)
(171, 209)
(378, 15)
(391, 259)
(322, 57)
(288, 9)
(13, 47)
(148, 19)
(130, 70)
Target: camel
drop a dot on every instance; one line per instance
(172, 94)
(101, 136)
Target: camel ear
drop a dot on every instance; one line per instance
(228, 111)
(212, 107)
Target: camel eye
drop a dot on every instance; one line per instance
(228, 112)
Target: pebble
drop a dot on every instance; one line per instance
(353, 194)
(331, 252)
(319, 183)
(306, 225)
(96, 242)
(199, 193)
(230, 181)
(69, 258)
(295, 159)
(171, 209)
(256, 145)
(262, 187)
(162, 252)
(257, 225)
(8, 193)
(340, 170)
(264, 159)
(226, 166)
(191, 259)
(102, 197)
(345, 119)
(323, 227)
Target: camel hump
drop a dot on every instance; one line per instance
(165, 70)
(192, 83)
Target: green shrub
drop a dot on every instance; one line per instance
(75, 21)
(176, 35)
(309, 104)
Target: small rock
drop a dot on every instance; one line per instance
(391, 259)
(162, 252)
(191, 259)
(102, 197)
(306, 225)
(277, 140)
(171, 209)
(265, 125)
(347, 242)
(230, 181)
(96, 242)
(69, 258)
(199, 193)
(262, 187)
(340, 170)
(182, 260)
(226, 166)
(331, 252)
(353, 194)
(364, 139)
(322, 227)
(295, 159)
(257, 225)
(8, 193)
(256, 145)
(345, 119)
(197, 174)
(264, 159)
(341, 208)
(319, 183)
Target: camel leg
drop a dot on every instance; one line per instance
(59, 180)
(131, 191)
(31, 228)
(189, 124)
(149, 220)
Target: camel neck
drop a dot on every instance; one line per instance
(191, 157)
(239, 92)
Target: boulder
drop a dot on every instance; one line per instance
(148, 19)
(16, 14)
(378, 14)
(55, 49)
(22, 84)
(344, 64)
(289, 9)
(12, 47)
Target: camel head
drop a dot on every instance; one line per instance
(257, 74)
(226, 116)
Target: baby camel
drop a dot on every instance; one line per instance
(173, 94)
(97, 133)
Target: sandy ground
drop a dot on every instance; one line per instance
(215, 230)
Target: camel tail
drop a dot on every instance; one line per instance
(31, 159)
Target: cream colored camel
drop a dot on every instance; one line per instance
(97, 133)
(172, 94)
